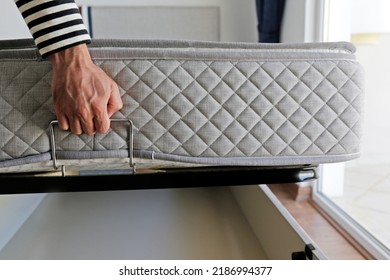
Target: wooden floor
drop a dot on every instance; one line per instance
(334, 243)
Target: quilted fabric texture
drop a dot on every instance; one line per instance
(300, 104)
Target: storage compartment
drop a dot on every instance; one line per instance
(240, 222)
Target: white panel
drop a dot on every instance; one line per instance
(238, 19)
(155, 23)
(14, 211)
(277, 230)
(194, 223)
(370, 16)
(332, 179)
(293, 23)
(337, 26)
(12, 25)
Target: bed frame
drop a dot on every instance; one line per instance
(202, 113)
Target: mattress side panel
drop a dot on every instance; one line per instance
(196, 109)
(243, 108)
(25, 106)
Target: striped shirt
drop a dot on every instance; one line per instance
(54, 24)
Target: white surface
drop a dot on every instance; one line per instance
(274, 226)
(12, 25)
(238, 19)
(370, 16)
(195, 223)
(180, 23)
(14, 211)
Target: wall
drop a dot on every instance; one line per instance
(302, 21)
(12, 25)
(238, 18)
(293, 23)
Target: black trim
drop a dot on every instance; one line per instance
(175, 178)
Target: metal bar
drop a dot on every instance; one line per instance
(184, 178)
(130, 142)
(53, 144)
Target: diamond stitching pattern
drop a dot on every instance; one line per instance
(200, 108)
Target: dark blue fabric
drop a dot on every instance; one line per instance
(269, 16)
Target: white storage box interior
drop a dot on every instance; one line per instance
(241, 222)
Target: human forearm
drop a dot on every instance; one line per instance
(84, 96)
(55, 25)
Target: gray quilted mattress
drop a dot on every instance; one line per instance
(192, 103)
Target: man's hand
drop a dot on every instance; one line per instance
(84, 97)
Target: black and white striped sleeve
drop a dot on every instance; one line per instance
(54, 24)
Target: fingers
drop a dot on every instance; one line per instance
(115, 101)
(74, 125)
(102, 125)
(89, 124)
(114, 104)
(78, 126)
(62, 122)
(97, 121)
